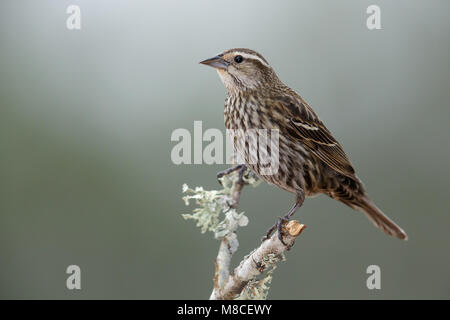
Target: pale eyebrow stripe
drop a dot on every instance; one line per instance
(251, 56)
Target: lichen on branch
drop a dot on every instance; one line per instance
(212, 203)
(216, 212)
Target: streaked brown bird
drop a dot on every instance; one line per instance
(311, 160)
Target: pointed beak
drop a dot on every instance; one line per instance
(216, 62)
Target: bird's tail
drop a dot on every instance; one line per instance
(380, 220)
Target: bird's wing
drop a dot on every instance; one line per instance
(315, 137)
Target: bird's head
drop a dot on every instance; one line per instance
(242, 69)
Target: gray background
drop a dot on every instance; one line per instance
(85, 124)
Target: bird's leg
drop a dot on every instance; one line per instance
(240, 167)
(241, 174)
(279, 224)
(238, 185)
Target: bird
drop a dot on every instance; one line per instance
(311, 160)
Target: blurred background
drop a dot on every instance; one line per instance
(86, 118)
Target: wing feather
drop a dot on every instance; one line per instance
(313, 134)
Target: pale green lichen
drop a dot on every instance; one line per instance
(211, 203)
(258, 289)
(230, 223)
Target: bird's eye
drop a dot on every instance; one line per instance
(238, 59)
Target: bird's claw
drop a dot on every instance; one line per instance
(279, 227)
(281, 221)
(241, 167)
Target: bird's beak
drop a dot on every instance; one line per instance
(216, 62)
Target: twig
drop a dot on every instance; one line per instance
(245, 282)
(255, 263)
(228, 286)
(229, 243)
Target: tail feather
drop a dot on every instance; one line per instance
(380, 220)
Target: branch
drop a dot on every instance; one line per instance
(256, 262)
(229, 244)
(245, 281)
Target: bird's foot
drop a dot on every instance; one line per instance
(241, 167)
(279, 227)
